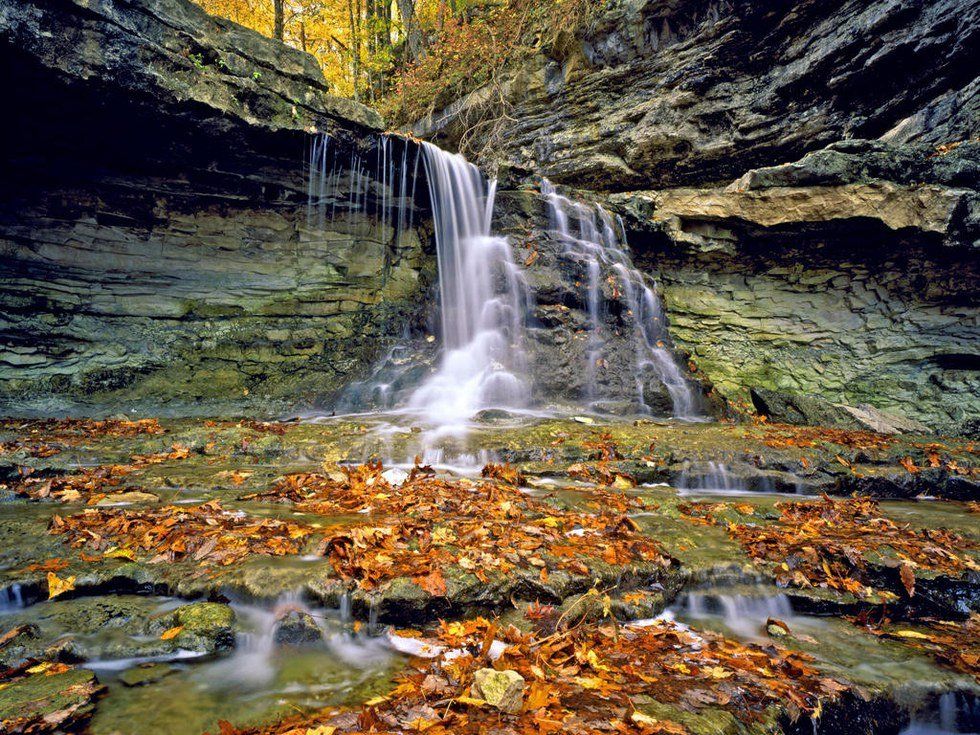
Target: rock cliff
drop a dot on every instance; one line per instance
(801, 177)
(154, 228)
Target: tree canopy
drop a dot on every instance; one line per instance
(408, 56)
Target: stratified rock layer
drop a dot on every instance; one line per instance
(154, 229)
(802, 177)
(658, 94)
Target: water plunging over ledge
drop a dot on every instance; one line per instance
(482, 300)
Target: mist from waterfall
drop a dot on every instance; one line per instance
(597, 240)
(482, 300)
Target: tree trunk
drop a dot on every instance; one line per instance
(277, 27)
(413, 36)
(302, 36)
(354, 16)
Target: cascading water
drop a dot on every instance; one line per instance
(482, 295)
(745, 615)
(712, 476)
(717, 478)
(482, 300)
(597, 240)
(260, 652)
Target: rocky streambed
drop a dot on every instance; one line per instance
(640, 575)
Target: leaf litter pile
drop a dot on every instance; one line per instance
(206, 533)
(484, 528)
(47, 437)
(828, 542)
(785, 435)
(92, 484)
(582, 680)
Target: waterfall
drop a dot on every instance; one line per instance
(376, 180)
(482, 299)
(598, 242)
(744, 615)
(482, 295)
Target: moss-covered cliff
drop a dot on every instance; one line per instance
(154, 230)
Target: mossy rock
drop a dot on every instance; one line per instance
(205, 625)
(66, 700)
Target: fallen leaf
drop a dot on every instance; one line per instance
(58, 586)
(908, 579)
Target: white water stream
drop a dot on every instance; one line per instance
(597, 240)
(482, 300)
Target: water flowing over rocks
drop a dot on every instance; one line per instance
(801, 180)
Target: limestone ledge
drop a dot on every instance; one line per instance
(928, 208)
(187, 57)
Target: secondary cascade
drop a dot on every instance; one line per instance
(593, 237)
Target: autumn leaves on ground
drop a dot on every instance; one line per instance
(531, 590)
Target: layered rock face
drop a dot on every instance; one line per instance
(802, 177)
(682, 92)
(154, 228)
(823, 278)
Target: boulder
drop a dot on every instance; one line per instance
(296, 628)
(501, 689)
(784, 408)
(206, 625)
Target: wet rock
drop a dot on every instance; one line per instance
(395, 476)
(113, 626)
(493, 415)
(207, 625)
(297, 628)
(899, 483)
(501, 689)
(706, 721)
(145, 674)
(62, 701)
